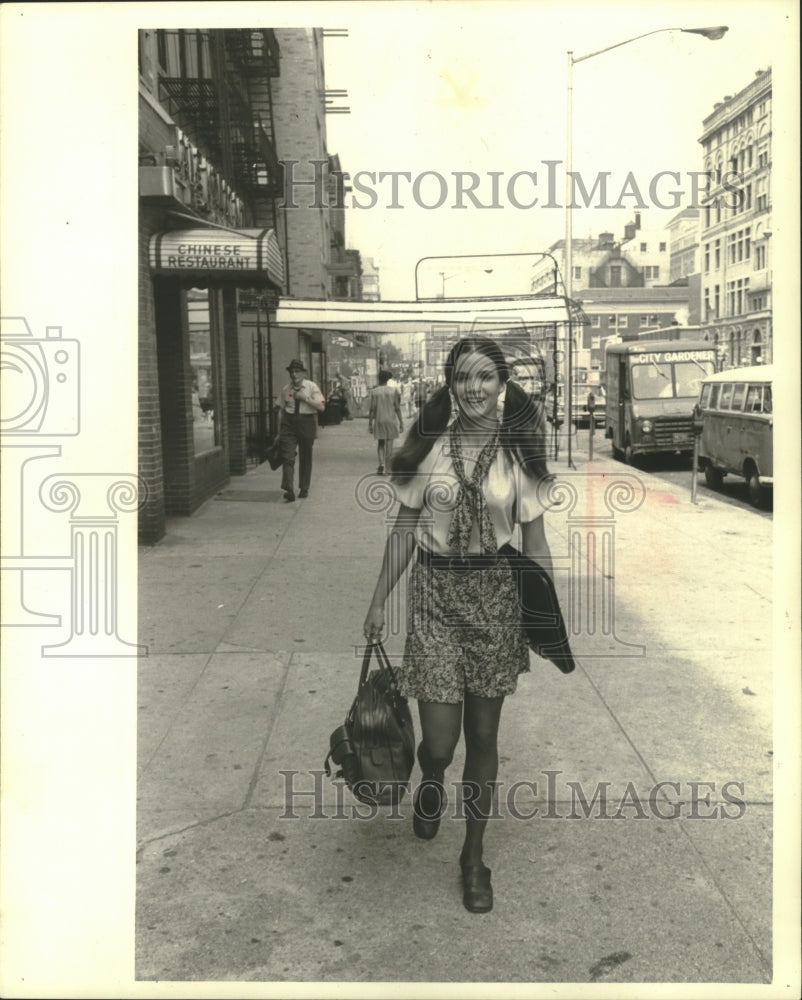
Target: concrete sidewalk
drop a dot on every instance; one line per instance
(252, 610)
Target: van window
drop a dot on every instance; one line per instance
(767, 400)
(714, 397)
(738, 396)
(705, 396)
(726, 396)
(754, 399)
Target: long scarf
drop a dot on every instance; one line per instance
(471, 506)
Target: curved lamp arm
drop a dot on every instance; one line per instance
(712, 33)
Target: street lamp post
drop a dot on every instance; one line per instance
(714, 34)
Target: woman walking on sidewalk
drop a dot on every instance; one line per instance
(475, 475)
(385, 420)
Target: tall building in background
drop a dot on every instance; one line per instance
(736, 276)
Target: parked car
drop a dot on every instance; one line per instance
(529, 373)
(579, 404)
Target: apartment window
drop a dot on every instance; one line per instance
(615, 276)
(731, 247)
(718, 203)
(577, 272)
(760, 256)
(763, 157)
(757, 303)
(717, 255)
(737, 293)
(747, 243)
(595, 343)
(662, 248)
(707, 304)
(707, 216)
(616, 321)
(716, 300)
(643, 248)
(707, 257)
(161, 50)
(649, 320)
(595, 321)
(184, 53)
(761, 195)
(651, 272)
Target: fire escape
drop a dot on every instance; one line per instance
(227, 111)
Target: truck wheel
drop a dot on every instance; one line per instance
(757, 492)
(629, 457)
(713, 477)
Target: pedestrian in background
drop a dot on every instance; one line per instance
(464, 482)
(406, 397)
(385, 420)
(420, 391)
(300, 401)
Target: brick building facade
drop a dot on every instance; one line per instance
(217, 246)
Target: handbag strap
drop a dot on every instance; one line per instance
(383, 661)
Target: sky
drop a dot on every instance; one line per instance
(467, 87)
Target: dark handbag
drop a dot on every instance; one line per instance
(273, 453)
(375, 748)
(541, 617)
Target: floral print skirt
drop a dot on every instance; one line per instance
(463, 634)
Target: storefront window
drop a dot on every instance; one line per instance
(205, 422)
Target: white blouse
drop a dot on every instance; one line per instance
(511, 497)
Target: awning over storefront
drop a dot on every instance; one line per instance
(246, 257)
(462, 315)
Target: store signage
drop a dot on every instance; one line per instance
(218, 253)
(181, 174)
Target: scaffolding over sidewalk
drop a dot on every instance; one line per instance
(525, 324)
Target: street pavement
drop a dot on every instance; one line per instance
(252, 610)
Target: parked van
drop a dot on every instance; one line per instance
(737, 429)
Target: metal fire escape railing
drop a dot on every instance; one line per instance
(254, 50)
(256, 60)
(194, 104)
(229, 114)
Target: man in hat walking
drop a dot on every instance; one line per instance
(299, 403)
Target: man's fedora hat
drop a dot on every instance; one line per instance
(296, 366)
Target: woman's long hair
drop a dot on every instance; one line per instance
(523, 423)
